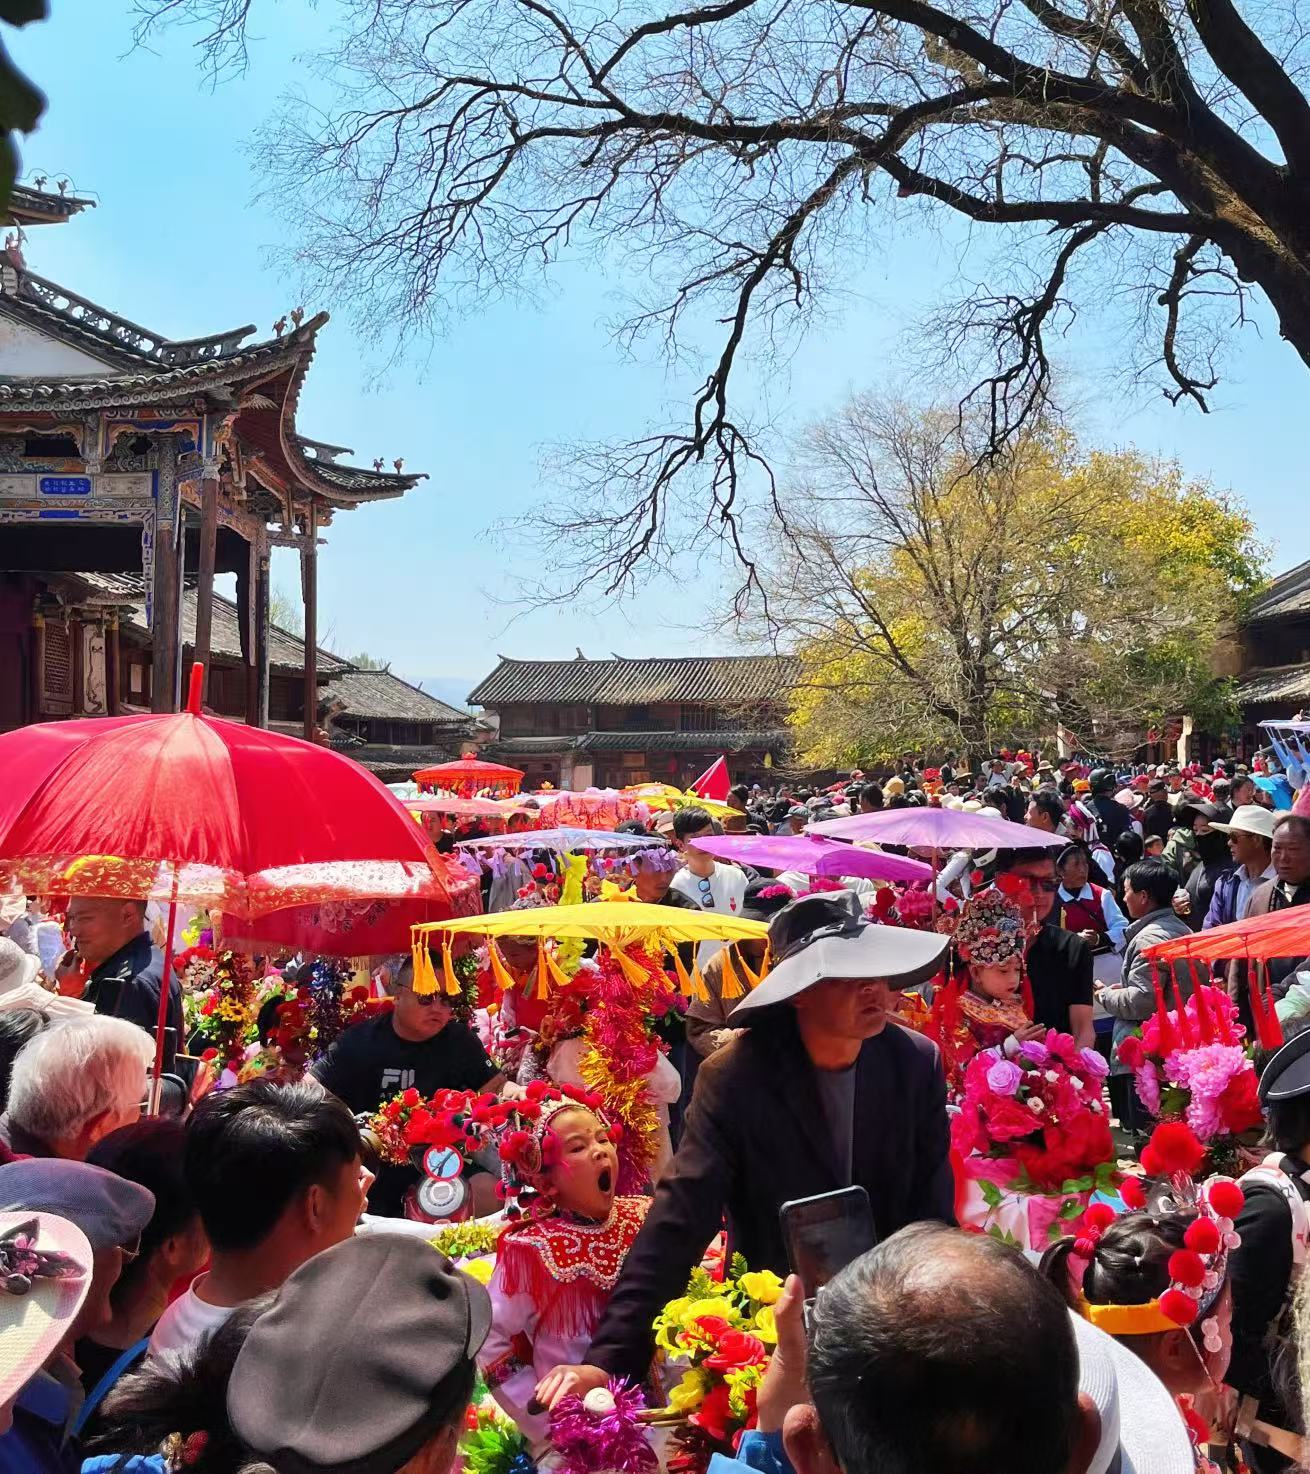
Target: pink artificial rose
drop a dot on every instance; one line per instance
(1004, 1078)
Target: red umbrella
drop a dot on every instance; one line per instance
(193, 809)
(468, 776)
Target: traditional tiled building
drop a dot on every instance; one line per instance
(1270, 656)
(126, 454)
(574, 723)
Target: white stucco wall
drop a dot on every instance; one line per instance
(24, 351)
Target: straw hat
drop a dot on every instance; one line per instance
(33, 1324)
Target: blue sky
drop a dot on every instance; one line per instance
(177, 244)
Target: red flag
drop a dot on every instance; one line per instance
(714, 782)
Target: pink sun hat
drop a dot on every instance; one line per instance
(33, 1321)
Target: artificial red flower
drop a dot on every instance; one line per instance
(735, 1350)
(1239, 1105)
(1175, 1148)
(712, 1328)
(1226, 1197)
(714, 1415)
(411, 1097)
(1132, 1052)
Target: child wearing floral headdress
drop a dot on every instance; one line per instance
(557, 1265)
(983, 1006)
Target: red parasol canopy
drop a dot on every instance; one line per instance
(202, 811)
(1279, 934)
(468, 776)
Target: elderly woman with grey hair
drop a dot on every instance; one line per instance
(73, 1084)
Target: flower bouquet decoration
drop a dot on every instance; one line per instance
(1032, 1139)
(1191, 1065)
(224, 1004)
(722, 1334)
(491, 1441)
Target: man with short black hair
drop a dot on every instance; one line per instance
(870, 798)
(709, 884)
(1149, 888)
(127, 969)
(277, 1174)
(1059, 963)
(948, 1352)
(1045, 812)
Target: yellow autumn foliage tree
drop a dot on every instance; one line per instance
(936, 599)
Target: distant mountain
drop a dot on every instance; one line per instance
(451, 689)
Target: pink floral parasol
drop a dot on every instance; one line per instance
(938, 829)
(812, 855)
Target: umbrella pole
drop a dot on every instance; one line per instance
(161, 1024)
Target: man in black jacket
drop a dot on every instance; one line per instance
(127, 969)
(823, 1091)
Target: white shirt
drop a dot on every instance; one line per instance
(724, 889)
(1116, 923)
(182, 1327)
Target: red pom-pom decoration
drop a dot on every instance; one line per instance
(1226, 1198)
(1178, 1306)
(1150, 1160)
(1132, 1192)
(1187, 1268)
(1177, 1148)
(1098, 1217)
(1202, 1236)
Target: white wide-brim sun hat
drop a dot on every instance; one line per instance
(33, 1325)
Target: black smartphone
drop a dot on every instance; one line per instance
(824, 1233)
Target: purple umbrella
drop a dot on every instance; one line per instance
(938, 829)
(812, 856)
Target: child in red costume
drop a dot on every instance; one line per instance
(556, 1266)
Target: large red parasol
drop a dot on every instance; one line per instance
(470, 776)
(193, 809)
(1279, 934)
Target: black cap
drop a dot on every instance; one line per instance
(365, 1354)
(1287, 1075)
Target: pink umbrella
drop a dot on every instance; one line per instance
(812, 856)
(938, 829)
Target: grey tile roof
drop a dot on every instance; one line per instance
(1288, 594)
(711, 679)
(741, 740)
(378, 693)
(29, 204)
(286, 649)
(1274, 683)
(381, 758)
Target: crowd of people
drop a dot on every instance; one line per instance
(251, 1279)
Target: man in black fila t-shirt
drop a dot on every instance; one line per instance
(419, 1043)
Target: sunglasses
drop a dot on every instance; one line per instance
(706, 891)
(131, 1249)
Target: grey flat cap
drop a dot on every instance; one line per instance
(108, 1209)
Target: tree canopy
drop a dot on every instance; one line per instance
(937, 598)
(739, 156)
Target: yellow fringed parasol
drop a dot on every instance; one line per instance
(616, 924)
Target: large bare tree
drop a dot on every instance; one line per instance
(741, 153)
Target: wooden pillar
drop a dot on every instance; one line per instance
(165, 632)
(263, 596)
(36, 676)
(246, 626)
(113, 665)
(309, 588)
(205, 580)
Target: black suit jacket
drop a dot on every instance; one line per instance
(756, 1136)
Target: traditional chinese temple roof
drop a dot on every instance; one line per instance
(261, 380)
(379, 693)
(707, 680)
(1288, 594)
(29, 205)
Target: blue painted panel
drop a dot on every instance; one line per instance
(64, 485)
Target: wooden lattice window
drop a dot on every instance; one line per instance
(57, 678)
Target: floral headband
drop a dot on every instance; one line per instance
(991, 930)
(1197, 1271)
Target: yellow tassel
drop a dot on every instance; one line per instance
(752, 979)
(555, 972)
(632, 970)
(701, 992)
(732, 987)
(425, 978)
(684, 977)
(541, 991)
(448, 972)
(499, 971)
(766, 964)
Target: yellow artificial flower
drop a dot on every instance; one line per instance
(691, 1391)
(668, 1324)
(711, 1305)
(764, 1286)
(739, 1383)
(765, 1326)
(479, 1269)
